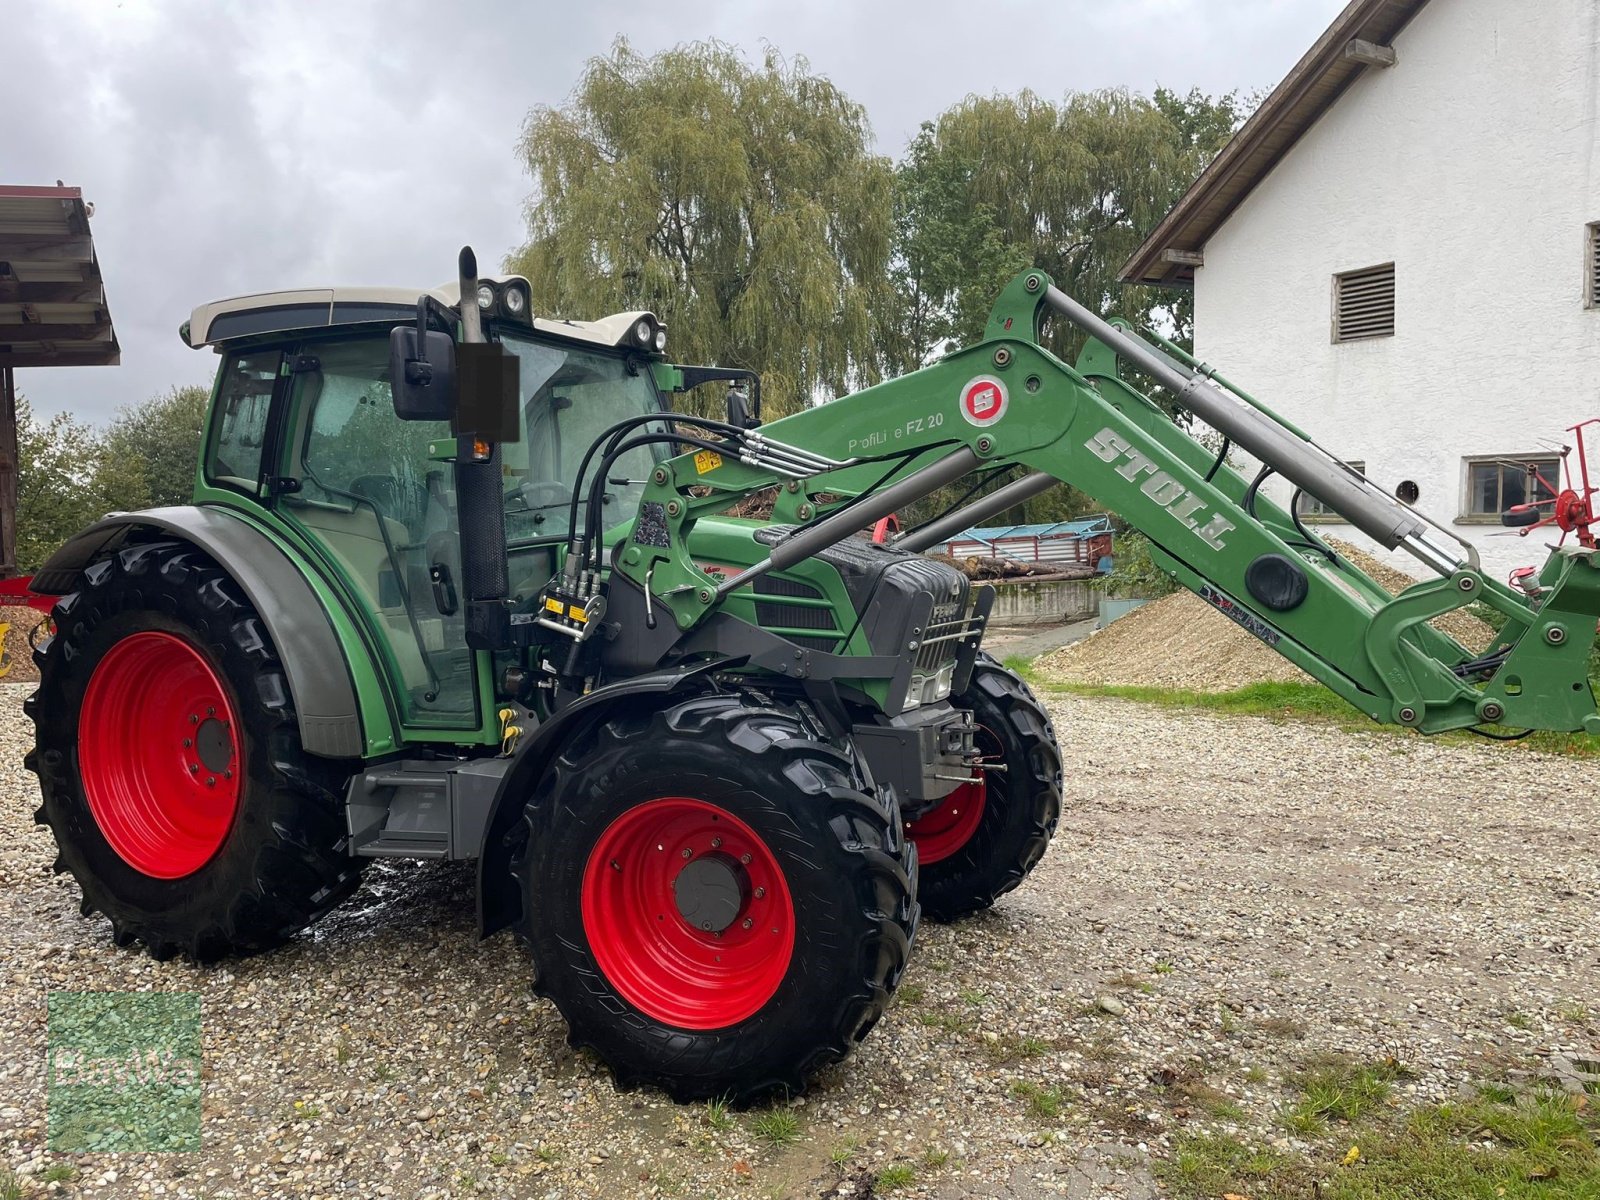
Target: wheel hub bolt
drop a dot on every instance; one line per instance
(211, 781)
(187, 742)
(227, 774)
(745, 859)
(194, 718)
(760, 892)
(747, 922)
(210, 712)
(194, 768)
(716, 843)
(687, 853)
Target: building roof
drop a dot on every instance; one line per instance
(989, 534)
(52, 300)
(1359, 38)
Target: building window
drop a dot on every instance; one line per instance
(1497, 484)
(1312, 509)
(1363, 304)
(1591, 265)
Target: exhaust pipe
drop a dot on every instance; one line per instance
(481, 510)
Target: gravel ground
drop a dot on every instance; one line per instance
(1226, 897)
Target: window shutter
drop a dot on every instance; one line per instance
(1363, 304)
(1591, 268)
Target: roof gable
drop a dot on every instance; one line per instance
(1358, 38)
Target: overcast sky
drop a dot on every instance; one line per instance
(236, 148)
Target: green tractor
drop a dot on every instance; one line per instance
(457, 583)
(376, 633)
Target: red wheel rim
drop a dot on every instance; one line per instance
(950, 824)
(664, 963)
(158, 753)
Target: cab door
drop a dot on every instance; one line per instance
(365, 493)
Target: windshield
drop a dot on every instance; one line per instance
(570, 397)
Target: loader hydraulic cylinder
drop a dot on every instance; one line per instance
(1303, 463)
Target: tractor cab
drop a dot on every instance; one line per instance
(303, 432)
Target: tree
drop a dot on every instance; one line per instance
(740, 203)
(156, 443)
(1000, 183)
(59, 483)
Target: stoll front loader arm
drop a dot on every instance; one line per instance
(1007, 404)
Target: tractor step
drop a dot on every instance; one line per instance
(422, 808)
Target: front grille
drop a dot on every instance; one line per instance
(951, 627)
(775, 613)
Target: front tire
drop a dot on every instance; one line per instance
(981, 841)
(720, 901)
(170, 764)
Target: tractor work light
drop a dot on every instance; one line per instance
(661, 340)
(643, 332)
(515, 300)
(486, 297)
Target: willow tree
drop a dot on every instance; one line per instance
(999, 183)
(741, 203)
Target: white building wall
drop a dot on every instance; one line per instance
(1474, 165)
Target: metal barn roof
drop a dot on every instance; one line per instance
(1084, 527)
(52, 300)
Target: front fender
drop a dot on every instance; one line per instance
(313, 659)
(499, 900)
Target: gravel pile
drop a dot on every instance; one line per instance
(1180, 641)
(1226, 897)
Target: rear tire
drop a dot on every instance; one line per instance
(982, 840)
(769, 951)
(169, 759)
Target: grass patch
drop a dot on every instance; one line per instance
(909, 993)
(1339, 1091)
(717, 1114)
(1282, 1027)
(58, 1173)
(1306, 702)
(1287, 699)
(894, 1177)
(1491, 1148)
(1044, 1102)
(843, 1152)
(1010, 1048)
(778, 1127)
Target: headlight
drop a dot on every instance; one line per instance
(485, 297)
(661, 340)
(643, 332)
(515, 300)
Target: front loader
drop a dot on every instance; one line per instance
(457, 583)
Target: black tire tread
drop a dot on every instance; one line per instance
(300, 868)
(995, 862)
(866, 825)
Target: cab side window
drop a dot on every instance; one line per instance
(244, 402)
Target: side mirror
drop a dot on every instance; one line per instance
(422, 373)
(739, 409)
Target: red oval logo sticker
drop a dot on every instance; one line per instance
(983, 400)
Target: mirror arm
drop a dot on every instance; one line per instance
(419, 370)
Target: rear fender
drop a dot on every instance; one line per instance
(499, 899)
(320, 678)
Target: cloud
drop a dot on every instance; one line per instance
(232, 149)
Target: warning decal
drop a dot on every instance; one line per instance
(983, 400)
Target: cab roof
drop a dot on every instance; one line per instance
(224, 321)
